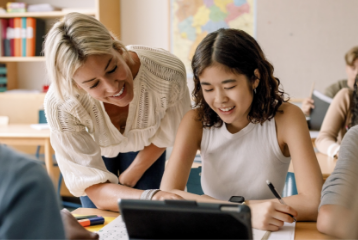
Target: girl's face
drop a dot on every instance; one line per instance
(352, 71)
(229, 94)
(106, 78)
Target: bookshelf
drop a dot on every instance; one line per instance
(106, 11)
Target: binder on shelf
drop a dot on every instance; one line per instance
(321, 103)
(17, 37)
(23, 36)
(5, 44)
(35, 36)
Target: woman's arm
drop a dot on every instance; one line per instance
(292, 132)
(334, 220)
(141, 163)
(187, 142)
(333, 122)
(105, 195)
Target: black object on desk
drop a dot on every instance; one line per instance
(180, 219)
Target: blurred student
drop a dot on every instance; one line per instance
(351, 59)
(29, 207)
(340, 116)
(247, 133)
(338, 213)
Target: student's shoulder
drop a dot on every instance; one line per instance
(16, 165)
(192, 117)
(289, 112)
(344, 93)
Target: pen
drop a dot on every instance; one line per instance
(277, 195)
(91, 221)
(86, 217)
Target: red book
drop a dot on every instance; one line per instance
(4, 25)
(11, 36)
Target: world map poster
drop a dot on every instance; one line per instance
(192, 20)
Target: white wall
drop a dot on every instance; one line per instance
(145, 22)
(305, 40)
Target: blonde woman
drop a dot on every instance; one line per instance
(112, 111)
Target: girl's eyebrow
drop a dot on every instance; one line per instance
(223, 82)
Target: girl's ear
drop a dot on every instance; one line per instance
(257, 80)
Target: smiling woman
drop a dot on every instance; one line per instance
(246, 132)
(112, 111)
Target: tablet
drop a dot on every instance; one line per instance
(181, 219)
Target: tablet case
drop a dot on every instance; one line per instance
(180, 219)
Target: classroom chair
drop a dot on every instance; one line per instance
(290, 185)
(42, 119)
(194, 184)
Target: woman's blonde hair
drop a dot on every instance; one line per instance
(69, 43)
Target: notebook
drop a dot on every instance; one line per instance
(321, 103)
(143, 219)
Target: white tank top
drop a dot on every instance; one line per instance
(239, 164)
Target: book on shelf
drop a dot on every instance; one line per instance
(11, 36)
(17, 37)
(3, 78)
(321, 104)
(22, 37)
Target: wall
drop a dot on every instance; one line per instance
(305, 40)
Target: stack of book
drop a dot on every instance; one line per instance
(15, 7)
(3, 79)
(21, 37)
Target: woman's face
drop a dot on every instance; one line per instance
(106, 78)
(352, 71)
(229, 94)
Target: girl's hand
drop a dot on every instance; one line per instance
(271, 215)
(161, 195)
(129, 178)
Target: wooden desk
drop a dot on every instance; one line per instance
(304, 230)
(24, 135)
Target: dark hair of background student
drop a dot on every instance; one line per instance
(354, 105)
(241, 54)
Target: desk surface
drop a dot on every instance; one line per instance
(23, 131)
(304, 230)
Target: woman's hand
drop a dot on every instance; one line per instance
(161, 195)
(271, 215)
(129, 178)
(307, 105)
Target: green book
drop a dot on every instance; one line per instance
(3, 70)
(3, 80)
(3, 89)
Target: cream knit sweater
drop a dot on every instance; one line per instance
(82, 132)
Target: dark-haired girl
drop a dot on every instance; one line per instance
(341, 115)
(247, 133)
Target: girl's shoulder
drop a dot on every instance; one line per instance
(288, 112)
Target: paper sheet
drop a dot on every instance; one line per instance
(287, 232)
(260, 234)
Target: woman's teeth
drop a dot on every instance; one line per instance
(120, 93)
(226, 109)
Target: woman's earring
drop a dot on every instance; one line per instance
(255, 90)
